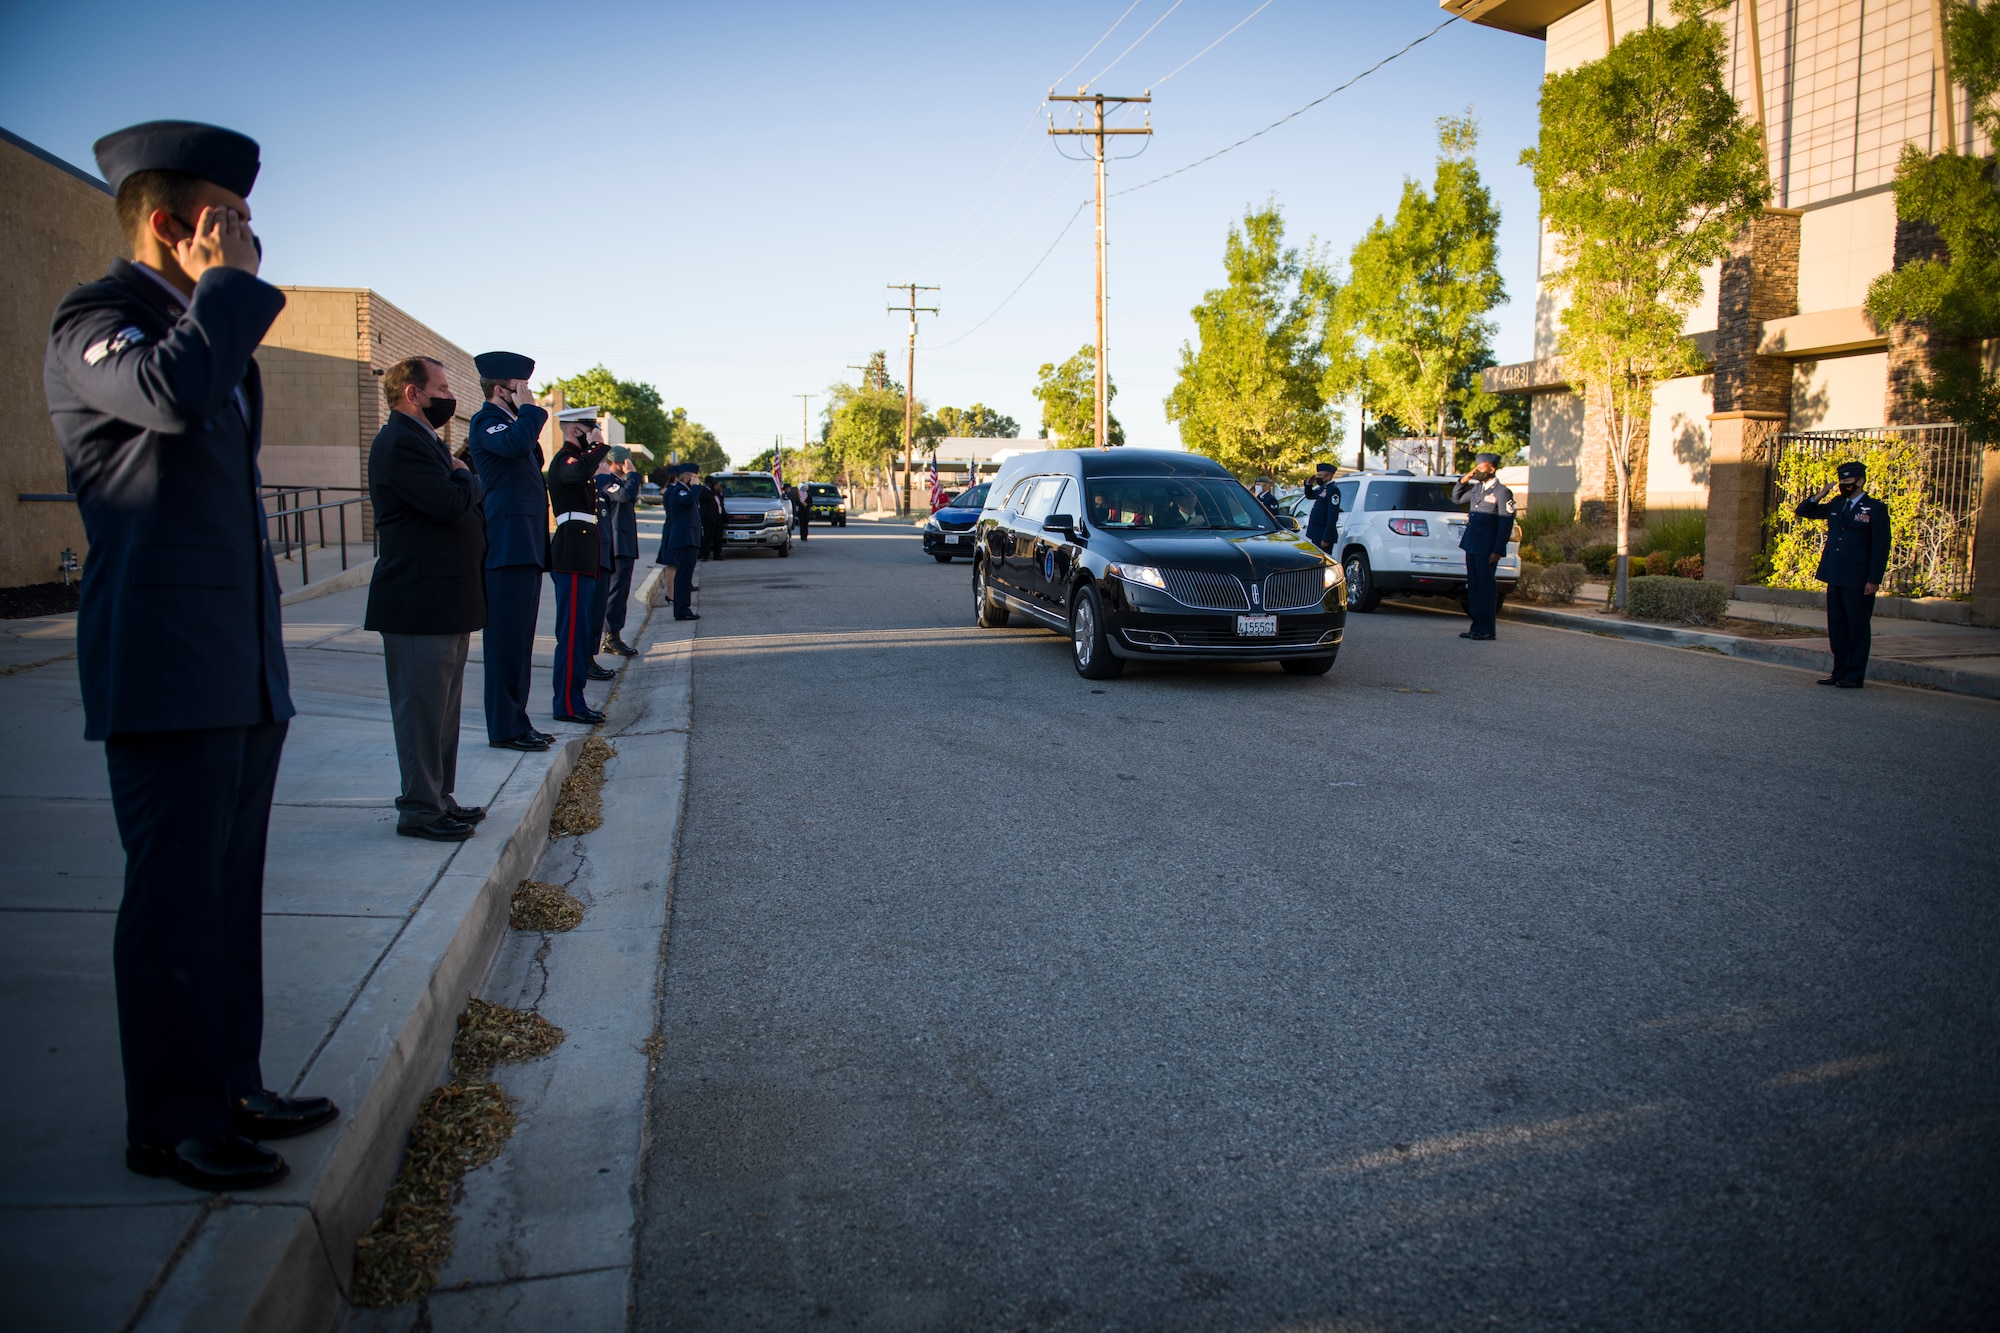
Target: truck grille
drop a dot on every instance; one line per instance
(743, 520)
(1294, 589)
(1213, 592)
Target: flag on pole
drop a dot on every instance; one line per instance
(778, 462)
(938, 496)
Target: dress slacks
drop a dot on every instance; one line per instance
(513, 602)
(426, 690)
(193, 811)
(1850, 613)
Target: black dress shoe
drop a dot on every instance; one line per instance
(1470, 635)
(224, 1160)
(266, 1115)
(614, 644)
(597, 672)
(692, 615)
(442, 829)
(1847, 684)
(527, 740)
(1827, 680)
(467, 814)
(588, 715)
(548, 737)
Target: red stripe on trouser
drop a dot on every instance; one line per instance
(569, 646)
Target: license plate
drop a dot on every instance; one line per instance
(956, 541)
(1257, 627)
(741, 536)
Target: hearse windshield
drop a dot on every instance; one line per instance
(1174, 504)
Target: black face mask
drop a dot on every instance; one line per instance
(439, 410)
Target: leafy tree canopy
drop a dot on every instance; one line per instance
(1957, 293)
(976, 422)
(635, 404)
(864, 426)
(1249, 395)
(695, 443)
(1068, 395)
(1411, 323)
(1647, 170)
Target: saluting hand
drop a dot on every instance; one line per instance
(1818, 495)
(222, 239)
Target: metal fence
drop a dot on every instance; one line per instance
(1932, 554)
(290, 517)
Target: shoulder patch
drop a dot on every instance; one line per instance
(129, 336)
(497, 428)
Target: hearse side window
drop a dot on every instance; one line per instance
(1044, 501)
(1022, 490)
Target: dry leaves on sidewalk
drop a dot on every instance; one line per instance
(580, 803)
(543, 908)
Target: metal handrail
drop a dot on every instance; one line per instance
(290, 516)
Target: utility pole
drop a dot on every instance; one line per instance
(1097, 132)
(910, 382)
(805, 420)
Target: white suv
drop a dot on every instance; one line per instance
(1399, 533)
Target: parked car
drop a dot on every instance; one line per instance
(649, 494)
(1399, 533)
(1137, 553)
(825, 503)
(948, 531)
(754, 512)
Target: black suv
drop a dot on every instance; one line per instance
(1143, 553)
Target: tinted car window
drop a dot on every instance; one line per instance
(972, 498)
(820, 489)
(748, 488)
(1424, 497)
(1347, 489)
(1175, 504)
(1022, 490)
(1043, 503)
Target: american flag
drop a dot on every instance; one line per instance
(778, 464)
(938, 497)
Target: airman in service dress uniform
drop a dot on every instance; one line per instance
(505, 441)
(573, 566)
(681, 540)
(1488, 527)
(1852, 566)
(617, 553)
(1323, 523)
(157, 401)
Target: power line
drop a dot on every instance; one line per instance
(1212, 45)
(1135, 46)
(1080, 206)
(1099, 42)
(1296, 114)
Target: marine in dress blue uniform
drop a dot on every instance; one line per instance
(1323, 523)
(157, 401)
(617, 553)
(1852, 565)
(505, 442)
(573, 567)
(680, 543)
(1489, 525)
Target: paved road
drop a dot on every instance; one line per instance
(1559, 982)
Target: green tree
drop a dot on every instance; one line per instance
(635, 404)
(864, 428)
(1956, 294)
(1249, 396)
(978, 422)
(1647, 169)
(691, 442)
(1419, 289)
(1068, 395)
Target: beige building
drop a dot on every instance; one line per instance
(1841, 86)
(57, 229)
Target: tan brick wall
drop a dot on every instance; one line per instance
(55, 232)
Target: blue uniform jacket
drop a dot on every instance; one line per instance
(507, 454)
(178, 627)
(1487, 534)
(618, 516)
(1857, 541)
(1324, 520)
(683, 519)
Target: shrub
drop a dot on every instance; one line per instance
(1681, 600)
(1530, 579)
(1690, 567)
(1597, 558)
(1659, 564)
(1558, 584)
(1530, 556)
(1678, 532)
(1543, 519)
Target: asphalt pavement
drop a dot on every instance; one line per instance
(1555, 982)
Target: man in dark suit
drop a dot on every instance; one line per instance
(1852, 566)
(1323, 523)
(681, 541)
(157, 401)
(618, 550)
(428, 592)
(505, 439)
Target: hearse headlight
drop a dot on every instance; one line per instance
(1332, 575)
(1145, 574)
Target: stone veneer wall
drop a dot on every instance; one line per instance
(1760, 281)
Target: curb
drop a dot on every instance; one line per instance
(354, 576)
(1776, 653)
(283, 1259)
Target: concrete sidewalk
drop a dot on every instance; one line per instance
(1959, 659)
(372, 945)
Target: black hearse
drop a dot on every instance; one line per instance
(1144, 553)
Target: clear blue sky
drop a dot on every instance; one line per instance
(712, 198)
